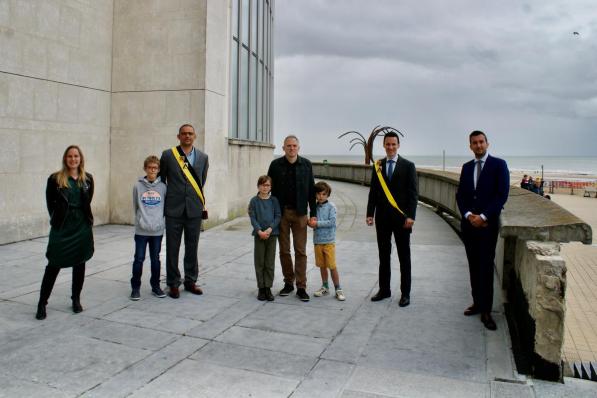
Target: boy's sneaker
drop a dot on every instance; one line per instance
(261, 294)
(158, 292)
(135, 295)
(340, 295)
(323, 291)
(302, 294)
(288, 288)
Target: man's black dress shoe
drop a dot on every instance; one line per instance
(472, 310)
(488, 321)
(404, 301)
(381, 295)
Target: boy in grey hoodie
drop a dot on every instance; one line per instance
(148, 202)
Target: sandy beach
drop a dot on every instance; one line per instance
(580, 342)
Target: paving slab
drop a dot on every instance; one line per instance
(226, 343)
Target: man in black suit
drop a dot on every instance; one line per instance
(394, 210)
(183, 209)
(482, 193)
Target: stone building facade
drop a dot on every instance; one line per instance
(118, 77)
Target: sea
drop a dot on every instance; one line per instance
(571, 168)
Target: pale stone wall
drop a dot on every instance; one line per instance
(117, 77)
(55, 68)
(158, 83)
(542, 274)
(246, 162)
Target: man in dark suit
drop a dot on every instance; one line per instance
(394, 213)
(183, 209)
(482, 193)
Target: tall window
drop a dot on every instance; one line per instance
(251, 70)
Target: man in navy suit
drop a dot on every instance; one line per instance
(482, 193)
(400, 178)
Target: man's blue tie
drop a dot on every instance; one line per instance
(390, 169)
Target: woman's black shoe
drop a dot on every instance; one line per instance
(77, 306)
(41, 311)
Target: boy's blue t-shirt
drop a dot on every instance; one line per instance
(326, 224)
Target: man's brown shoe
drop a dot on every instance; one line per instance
(488, 321)
(191, 287)
(472, 310)
(173, 292)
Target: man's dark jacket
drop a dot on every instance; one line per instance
(403, 187)
(181, 198)
(305, 190)
(491, 193)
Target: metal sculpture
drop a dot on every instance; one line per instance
(368, 144)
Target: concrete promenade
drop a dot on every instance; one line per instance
(227, 344)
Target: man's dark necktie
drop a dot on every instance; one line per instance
(479, 168)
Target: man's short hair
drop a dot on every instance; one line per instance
(390, 134)
(476, 133)
(292, 136)
(322, 186)
(151, 159)
(185, 125)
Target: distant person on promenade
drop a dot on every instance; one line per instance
(292, 185)
(324, 240)
(69, 192)
(537, 186)
(265, 214)
(149, 193)
(525, 183)
(392, 201)
(481, 195)
(184, 170)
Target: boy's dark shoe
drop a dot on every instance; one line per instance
(191, 287)
(268, 294)
(158, 292)
(174, 292)
(288, 288)
(302, 294)
(135, 295)
(261, 294)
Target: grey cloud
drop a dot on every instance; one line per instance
(438, 69)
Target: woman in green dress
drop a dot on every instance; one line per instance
(68, 197)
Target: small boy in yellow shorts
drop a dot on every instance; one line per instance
(324, 240)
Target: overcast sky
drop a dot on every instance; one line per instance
(436, 70)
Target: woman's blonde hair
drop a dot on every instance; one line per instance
(62, 175)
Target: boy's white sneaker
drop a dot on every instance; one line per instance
(340, 295)
(323, 291)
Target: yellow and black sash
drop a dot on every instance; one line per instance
(188, 171)
(385, 188)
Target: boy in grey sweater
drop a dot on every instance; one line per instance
(148, 202)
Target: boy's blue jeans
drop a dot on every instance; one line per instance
(155, 245)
